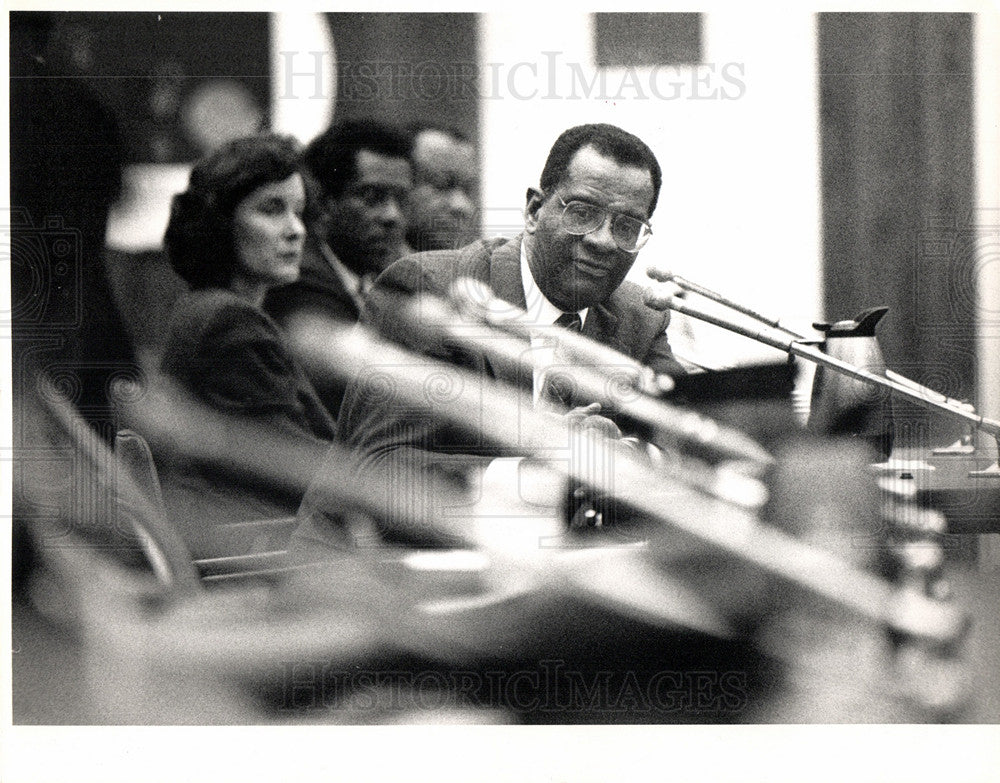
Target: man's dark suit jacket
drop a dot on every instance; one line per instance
(318, 291)
(380, 431)
(419, 450)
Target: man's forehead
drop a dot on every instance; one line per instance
(437, 149)
(588, 159)
(374, 166)
(590, 170)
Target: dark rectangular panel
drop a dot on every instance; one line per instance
(898, 172)
(408, 68)
(636, 39)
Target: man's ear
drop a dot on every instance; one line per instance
(534, 198)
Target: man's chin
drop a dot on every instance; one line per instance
(380, 254)
(578, 299)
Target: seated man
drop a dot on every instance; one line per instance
(442, 207)
(584, 227)
(364, 175)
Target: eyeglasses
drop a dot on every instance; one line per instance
(629, 233)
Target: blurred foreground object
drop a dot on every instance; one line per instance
(607, 631)
(715, 616)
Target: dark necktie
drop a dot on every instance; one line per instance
(559, 388)
(570, 321)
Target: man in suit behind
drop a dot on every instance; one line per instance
(442, 213)
(364, 175)
(584, 226)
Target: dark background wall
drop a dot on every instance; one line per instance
(156, 76)
(148, 68)
(407, 67)
(898, 177)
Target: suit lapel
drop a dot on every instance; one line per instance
(602, 325)
(505, 282)
(316, 268)
(505, 273)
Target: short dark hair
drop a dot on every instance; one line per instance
(199, 237)
(333, 155)
(609, 140)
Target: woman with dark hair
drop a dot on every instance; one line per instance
(234, 233)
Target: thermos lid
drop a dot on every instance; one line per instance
(862, 326)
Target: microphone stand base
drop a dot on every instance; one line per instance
(993, 471)
(960, 447)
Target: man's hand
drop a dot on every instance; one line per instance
(586, 418)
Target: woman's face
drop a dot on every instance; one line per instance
(268, 232)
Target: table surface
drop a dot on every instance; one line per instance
(942, 481)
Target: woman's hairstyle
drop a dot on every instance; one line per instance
(199, 237)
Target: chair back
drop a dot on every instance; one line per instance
(108, 505)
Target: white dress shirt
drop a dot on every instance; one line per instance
(541, 313)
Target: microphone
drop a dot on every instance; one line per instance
(665, 276)
(477, 301)
(717, 508)
(606, 376)
(661, 300)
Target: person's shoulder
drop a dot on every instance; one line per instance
(318, 289)
(628, 303)
(426, 260)
(439, 268)
(212, 309)
(434, 259)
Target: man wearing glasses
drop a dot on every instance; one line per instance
(590, 217)
(584, 227)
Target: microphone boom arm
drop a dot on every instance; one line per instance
(815, 355)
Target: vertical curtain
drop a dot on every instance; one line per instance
(408, 67)
(896, 96)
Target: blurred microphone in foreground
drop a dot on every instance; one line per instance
(599, 374)
(565, 272)
(691, 518)
(703, 563)
(703, 573)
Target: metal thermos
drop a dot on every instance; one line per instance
(842, 405)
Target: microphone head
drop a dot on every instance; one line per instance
(659, 273)
(657, 299)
